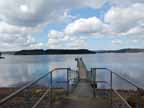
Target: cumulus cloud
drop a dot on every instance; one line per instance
(34, 12)
(58, 39)
(126, 2)
(118, 21)
(126, 20)
(87, 25)
(20, 18)
(13, 37)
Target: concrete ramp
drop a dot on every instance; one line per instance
(83, 89)
(82, 102)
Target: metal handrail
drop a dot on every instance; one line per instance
(4, 100)
(75, 79)
(118, 94)
(130, 82)
(115, 91)
(41, 98)
(123, 99)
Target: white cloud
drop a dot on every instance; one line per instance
(135, 41)
(118, 21)
(117, 42)
(38, 45)
(87, 25)
(125, 20)
(20, 18)
(35, 12)
(15, 37)
(58, 39)
(126, 2)
(14, 29)
(24, 8)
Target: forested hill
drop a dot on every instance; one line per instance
(54, 51)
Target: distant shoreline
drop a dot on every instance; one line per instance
(54, 52)
(127, 50)
(2, 57)
(70, 51)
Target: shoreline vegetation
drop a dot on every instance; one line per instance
(30, 95)
(70, 51)
(129, 95)
(54, 52)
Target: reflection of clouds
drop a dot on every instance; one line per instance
(14, 73)
(63, 61)
(17, 69)
(129, 65)
(121, 84)
(6, 83)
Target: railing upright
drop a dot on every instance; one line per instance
(74, 78)
(139, 99)
(68, 73)
(51, 89)
(94, 81)
(111, 89)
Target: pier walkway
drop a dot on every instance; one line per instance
(83, 88)
(82, 96)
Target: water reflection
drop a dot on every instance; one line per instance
(15, 70)
(128, 65)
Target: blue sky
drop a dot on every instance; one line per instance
(74, 24)
(79, 13)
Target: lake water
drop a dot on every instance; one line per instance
(19, 69)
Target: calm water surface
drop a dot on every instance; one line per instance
(19, 69)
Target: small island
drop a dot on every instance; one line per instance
(1, 56)
(54, 52)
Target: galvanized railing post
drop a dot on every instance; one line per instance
(74, 76)
(87, 75)
(77, 76)
(91, 78)
(111, 90)
(94, 80)
(139, 100)
(68, 70)
(51, 90)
